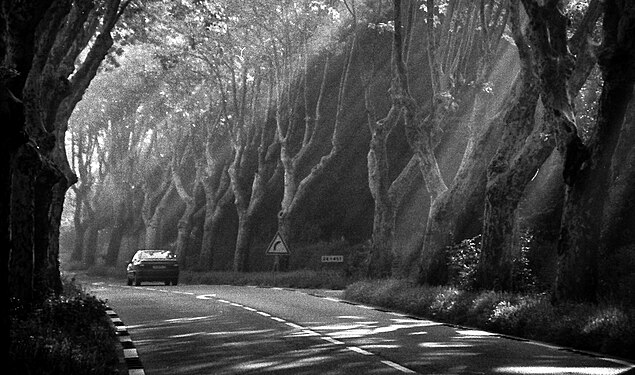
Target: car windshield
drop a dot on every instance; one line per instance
(157, 254)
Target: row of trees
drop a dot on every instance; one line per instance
(233, 112)
(50, 51)
(236, 109)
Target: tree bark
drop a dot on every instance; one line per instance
(216, 204)
(185, 222)
(381, 261)
(27, 164)
(587, 192)
(90, 244)
(153, 217)
(119, 225)
(524, 148)
(449, 53)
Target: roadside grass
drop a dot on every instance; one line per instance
(599, 328)
(302, 279)
(70, 334)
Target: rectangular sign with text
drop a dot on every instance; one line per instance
(332, 258)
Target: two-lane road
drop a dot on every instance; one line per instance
(203, 329)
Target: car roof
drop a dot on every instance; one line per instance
(155, 253)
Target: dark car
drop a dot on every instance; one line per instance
(153, 265)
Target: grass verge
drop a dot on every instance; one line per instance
(70, 334)
(599, 328)
(303, 279)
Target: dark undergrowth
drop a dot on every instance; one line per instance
(599, 328)
(70, 334)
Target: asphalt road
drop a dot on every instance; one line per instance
(203, 329)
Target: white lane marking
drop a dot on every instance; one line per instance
(306, 330)
(331, 340)
(136, 371)
(398, 367)
(206, 296)
(359, 350)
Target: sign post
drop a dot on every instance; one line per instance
(276, 248)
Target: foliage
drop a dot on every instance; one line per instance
(69, 334)
(464, 257)
(601, 328)
(463, 262)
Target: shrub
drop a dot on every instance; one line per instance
(606, 329)
(464, 258)
(69, 334)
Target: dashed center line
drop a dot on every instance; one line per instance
(304, 330)
(310, 332)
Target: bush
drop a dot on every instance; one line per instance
(69, 334)
(601, 328)
(464, 258)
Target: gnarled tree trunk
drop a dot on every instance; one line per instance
(590, 182)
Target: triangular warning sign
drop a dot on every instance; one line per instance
(277, 246)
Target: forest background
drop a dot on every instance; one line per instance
(481, 143)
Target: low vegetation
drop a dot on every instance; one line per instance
(303, 279)
(600, 328)
(70, 334)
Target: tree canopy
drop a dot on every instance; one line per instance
(398, 129)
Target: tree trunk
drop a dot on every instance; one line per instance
(90, 244)
(183, 232)
(617, 239)
(21, 264)
(455, 212)
(80, 225)
(243, 243)
(46, 279)
(587, 193)
(153, 222)
(380, 259)
(509, 171)
(215, 209)
(117, 231)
